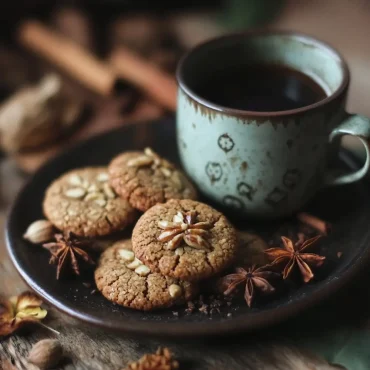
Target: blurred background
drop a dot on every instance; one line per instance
(72, 69)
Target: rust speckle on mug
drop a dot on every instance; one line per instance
(203, 110)
(274, 125)
(289, 143)
(276, 196)
(292, 178)
(183, 144)
(194, 126)
(244, 166)
(245, 119)
(233, 161)
(268, 154)
(212, 113)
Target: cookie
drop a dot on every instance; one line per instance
(185, 239)
(83, 202)
(145, 179)
(124, 280)
(251, 250)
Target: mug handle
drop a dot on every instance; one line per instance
(359, 126)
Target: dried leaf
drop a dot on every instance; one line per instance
(19, 311)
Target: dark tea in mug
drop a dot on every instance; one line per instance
(260, 88)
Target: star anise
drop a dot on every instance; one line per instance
(293, 254)
(254, 279)
(67, 251)
(184, 228)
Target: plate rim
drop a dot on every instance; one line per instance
(174, 329)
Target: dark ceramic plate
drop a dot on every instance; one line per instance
(346, 207)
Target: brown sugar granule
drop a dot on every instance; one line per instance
(204, 309)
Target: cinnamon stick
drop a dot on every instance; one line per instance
(321, 226)
(95, 74)
(67, 55)
(159, 85)
(146, 110)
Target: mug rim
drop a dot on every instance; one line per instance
(246, 113)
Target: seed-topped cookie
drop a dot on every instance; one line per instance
(251, 250)
(124, 280)
(82, 201)
(145, 179)
(185, 239)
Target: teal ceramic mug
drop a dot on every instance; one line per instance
(265, 164)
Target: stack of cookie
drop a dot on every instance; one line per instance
(176, 242)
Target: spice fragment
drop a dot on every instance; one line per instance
(161, 360)
(316, 223)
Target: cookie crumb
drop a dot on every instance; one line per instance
(204, 309)
(162, 359)
(216, 303)
(190, 309)
(209, 305)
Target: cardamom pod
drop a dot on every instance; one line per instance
(39, 232)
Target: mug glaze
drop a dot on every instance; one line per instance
(265, 164)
